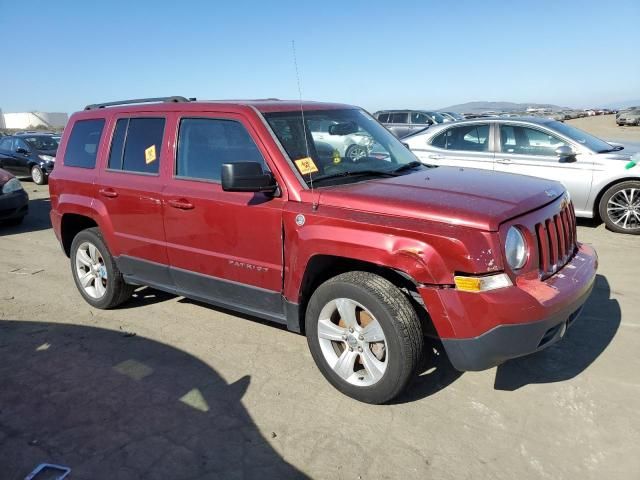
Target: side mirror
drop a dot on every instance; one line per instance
(565, 154)
(24, 151)
(247, 177)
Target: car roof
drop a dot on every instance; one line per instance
(268, 105)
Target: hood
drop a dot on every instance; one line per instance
(4, 177)
(479, 199)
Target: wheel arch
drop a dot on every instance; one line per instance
(601, 192)
(70, 225)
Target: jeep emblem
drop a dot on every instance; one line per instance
(550, 193)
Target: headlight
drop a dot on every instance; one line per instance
(47, 158)
(515, 249)
(12, 185)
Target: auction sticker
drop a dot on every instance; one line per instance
(306, 165)
(150, 154)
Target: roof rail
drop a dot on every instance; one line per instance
(174, 99)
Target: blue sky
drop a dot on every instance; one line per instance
(376, 54)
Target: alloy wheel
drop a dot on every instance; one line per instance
(91, 270)
(623, 208)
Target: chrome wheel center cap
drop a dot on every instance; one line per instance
(352, 341)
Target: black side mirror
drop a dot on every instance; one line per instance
(22, 150)
(247, 177)
(565, 154)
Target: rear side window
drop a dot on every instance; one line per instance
(136, 145)
(6, 144)
(204, 144)
(474, 138)
(82, 147)
(399, 118)
(383, 118)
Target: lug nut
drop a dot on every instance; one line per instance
(351, 349)
(360, 349)
(361, 337)
(344, 337)
(351, 329)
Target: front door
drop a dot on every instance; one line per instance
(224, 247)
(130, 188)
(531, 151)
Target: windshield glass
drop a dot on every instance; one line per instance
(582, 137)
(42, 142)
(345, 144)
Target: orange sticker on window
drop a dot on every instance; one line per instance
(150, 154)
(306, 165)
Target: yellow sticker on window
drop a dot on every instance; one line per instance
(306, 165)
(150, 154)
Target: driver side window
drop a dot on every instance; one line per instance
(528, 141)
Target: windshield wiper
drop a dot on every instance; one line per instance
(407, 166)
(616, 148)
(353, 174)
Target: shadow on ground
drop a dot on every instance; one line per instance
(583, 343)
(37, 218)
(113, 406)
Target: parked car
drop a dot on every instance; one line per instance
(592, 170)
(453, 116)
(406, 122)
(14, 201)
(353, 146)
(236, 204)
(629, 117)
(31, 155)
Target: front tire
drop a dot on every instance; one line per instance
(38, 176)
(95, 272)
(620, 207)
(364, 336)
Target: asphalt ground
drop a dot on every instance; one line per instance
(165, 387)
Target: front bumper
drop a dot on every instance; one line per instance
(14, 205)
(479, 331)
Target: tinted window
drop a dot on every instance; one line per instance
(204, 144)
(117, 144)
(82, 147)
(5, 144)
(467, 138)
(398, 118)
(528, 141)
(420, 119)
(383, 118)
(42, 142)
(142, 146)
(19, 143)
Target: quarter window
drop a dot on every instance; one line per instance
(204, 144)
(528, 141)
(82, 147)
(136, 145)
(474, 138)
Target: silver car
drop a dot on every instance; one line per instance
(603, 181)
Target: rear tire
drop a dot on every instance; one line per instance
(374, 360)
(95, 272)
(620, 207)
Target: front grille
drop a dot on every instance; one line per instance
(556, 241)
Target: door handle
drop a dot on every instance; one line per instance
(503, 160)
(108, 192)
(436, 157)
(181, 204)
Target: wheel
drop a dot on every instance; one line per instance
(38, 176)
(356, 152)
(95, 273)
(364, 336)
(620, 207)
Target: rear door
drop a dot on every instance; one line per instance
(468, 145)
(130, 188)
(529, 150)
(223, 247)
(6, 154)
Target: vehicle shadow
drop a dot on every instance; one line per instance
(583, 343)
(435, 374)
(37, 218)
(110, 405)
(589, 222)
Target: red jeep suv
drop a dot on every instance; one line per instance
(255, 206)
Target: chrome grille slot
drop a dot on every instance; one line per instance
(556, 238)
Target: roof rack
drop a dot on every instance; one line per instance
(174, 99)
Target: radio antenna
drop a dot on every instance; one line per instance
(304, 125)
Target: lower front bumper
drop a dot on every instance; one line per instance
(14, 205)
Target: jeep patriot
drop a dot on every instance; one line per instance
(253, 206)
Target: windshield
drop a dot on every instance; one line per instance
(339, 144)
(582, 137)
(42, 142)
